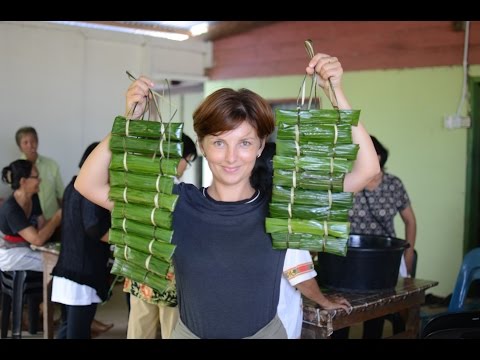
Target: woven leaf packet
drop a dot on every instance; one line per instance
(145, 156)
(314, 151)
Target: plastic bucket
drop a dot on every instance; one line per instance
(372, 264)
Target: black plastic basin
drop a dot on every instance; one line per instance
(372, 264)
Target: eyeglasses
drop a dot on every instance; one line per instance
(189, 162)
(34, 177)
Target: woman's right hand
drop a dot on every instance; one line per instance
(138, 92)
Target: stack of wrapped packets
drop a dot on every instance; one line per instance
(314, 151)
(145, 156)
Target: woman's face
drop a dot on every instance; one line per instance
(28, 146)
(231, 155)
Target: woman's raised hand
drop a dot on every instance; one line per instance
(136, 97)
(327, 67)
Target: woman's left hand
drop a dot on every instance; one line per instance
(327, 67)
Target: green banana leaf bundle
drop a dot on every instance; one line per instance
(143, 230)
(131, 227)
(159, 249)
(321, 116)
(300, 211)
(153, 216)
(339, 200)
(336, 229)
(323, 165)
(308, 180)
(135, 272)
(151, 129)
(158, 183)
(316, 133)
(330, 244)
(291, 148)
(147, 261)
(144, 164)
(146, 146)
(141, 197)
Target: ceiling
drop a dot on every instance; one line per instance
(216, 29)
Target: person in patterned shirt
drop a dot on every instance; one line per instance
(150, 308)
(373, 212)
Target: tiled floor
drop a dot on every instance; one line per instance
(114, 311)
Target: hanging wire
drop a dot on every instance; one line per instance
(465, 68)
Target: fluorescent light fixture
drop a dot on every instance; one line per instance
(199, 29)
(158, 34)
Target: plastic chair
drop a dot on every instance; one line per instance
(460, 325)
(18, 286)
(469, 271)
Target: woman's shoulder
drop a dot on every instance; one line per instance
(183, 188)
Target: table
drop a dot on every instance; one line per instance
(50, 254)
(407, 296)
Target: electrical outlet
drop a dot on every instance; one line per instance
(456, 122)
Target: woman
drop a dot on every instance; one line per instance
(227, 274)
(22, 221)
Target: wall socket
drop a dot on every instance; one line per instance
(456, 122)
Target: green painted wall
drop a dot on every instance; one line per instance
(404, 109)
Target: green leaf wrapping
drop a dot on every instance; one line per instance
(147, 261)
(150, 129)
(148, 231)
(135, 272)
(157, 248)
(308, 180)
(316, 133)
(319, 164)
(146, 146)
(144, 164)
(314, 227)
(290, 148)
(340, 200)
(152, 216)
(152, 199)
(299, 211)
(158, 183)
(322, 116)
(333, 245)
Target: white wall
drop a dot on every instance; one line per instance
(69, 84)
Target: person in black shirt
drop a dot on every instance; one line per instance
(227, 273)
(21, 219)
(80, 278)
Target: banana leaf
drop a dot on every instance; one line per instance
(315, 116)
(308, 180)
(334, 228)
(146, 261)
(299, 211)
(158, 183)
(157, 217)
(152, 199)
(144, 164)
(135, 272)
(149, 231)
(340, 200)
(315, 133)
(330, 244)
(157, 248)
(289, 148)
(150, 129)
(319, 164)
(170, 149)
